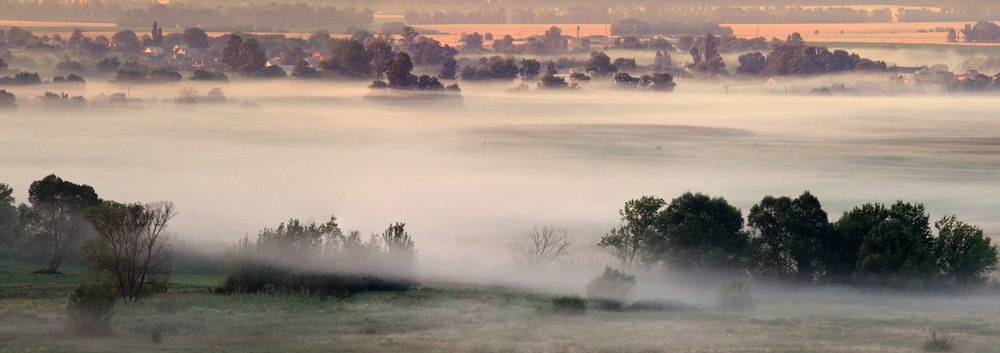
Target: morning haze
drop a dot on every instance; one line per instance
(513, 186)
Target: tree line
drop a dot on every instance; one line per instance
(791, 239)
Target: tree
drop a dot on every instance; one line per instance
(108, 64)
(380, 52)
(545, 244)
(964, 255)
(877, 252)
(530, 68)
(787, 236)
(398, 73)
(126, 40)
(7, 99)
(473, 42)
(952, 35)
(638, 224)
(550, 81)
(349, 59)
(409, 34)
(752, 63)
(131, 245)
(554, 42)
(231, 53)
(8, 218)
(448, 69)
(302, 69)
(156, 35)
(399, 257)
(697, 231)
(54, 221)
(600, 64)
(195, 37)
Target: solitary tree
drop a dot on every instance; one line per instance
(54, 221)
(131, 246)
(8, 220)
(600, 64)
(545, 244)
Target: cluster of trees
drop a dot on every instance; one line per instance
(634, 27)
(399, 77)
(947, 14)
(791, 239)
(551, 42)
(657, 81)
(321, 259)
(794, 57)
(981, 32)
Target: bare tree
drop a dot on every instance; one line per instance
(131, 245)
(545, 244)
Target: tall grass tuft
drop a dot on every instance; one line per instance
(939, 343)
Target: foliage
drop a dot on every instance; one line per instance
(611, 289)
(54, 222)
(90, 308)
(600, 64)
(794, 57)
(627, 243)
(448, 69)
(787, 235)
(569, 305)
(131, 246)
(550, 81)
(7, 99)
(349, 59)
(8, 219)
(735, 295)
(698, 231)
(493, 68)
(890, 246)
(321, 259)
(545, 244)
(982, 32)
(939, 343)
(22, 78)
(208, 75)
(108, 64)
(964, 255)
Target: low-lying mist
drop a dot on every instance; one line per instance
(470, 178)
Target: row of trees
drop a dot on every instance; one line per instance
(794, 57)
(792, 239)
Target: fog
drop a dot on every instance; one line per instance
(470, 178)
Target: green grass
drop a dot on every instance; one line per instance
(464, 318)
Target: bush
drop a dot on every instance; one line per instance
(735, 295)
(89, 308)
(939, 343)
(569, 305)
(611, 289)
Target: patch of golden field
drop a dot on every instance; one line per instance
(904, 33)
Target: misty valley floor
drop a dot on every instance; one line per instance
(451, 318)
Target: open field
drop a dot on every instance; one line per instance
(901, 33)
(457, 318)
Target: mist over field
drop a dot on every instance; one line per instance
(470, 178)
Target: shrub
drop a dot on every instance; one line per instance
(89, 308)
(611, 289)
(939, 343)
(569, 305)
(735, 295)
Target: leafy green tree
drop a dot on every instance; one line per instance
(554, 42)
(8, 219)
(473, 42)
(131, 245)
(550, 81)
(380, 52)
(448, 69)
(398, 74)
(752, 63)
(698, 231)
(231, 53)
(600, 64)
(302, 69)
(399, 256)
(108, 64)
(639, 219)
(195, 37)
(787, 235)
(964, 255)
(349, 59)
(892, 254)
(841, 249)
(409, 35)
(7, 100)
(126, 41)
(54, 222)
(530, 69)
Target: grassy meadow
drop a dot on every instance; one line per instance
(461, 318)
